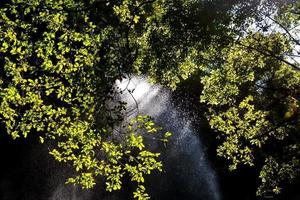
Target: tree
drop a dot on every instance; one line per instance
(253, 99)
(57, 81)
(61, 59)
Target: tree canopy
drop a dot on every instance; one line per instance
(54, 83)
(60, 60)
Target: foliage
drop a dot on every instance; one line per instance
(253, 99)
(114, 160)
(54, 84)
(61, 59)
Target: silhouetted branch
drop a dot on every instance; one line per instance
(285, 29)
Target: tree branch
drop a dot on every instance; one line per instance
(270, 54)
(285, 29)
